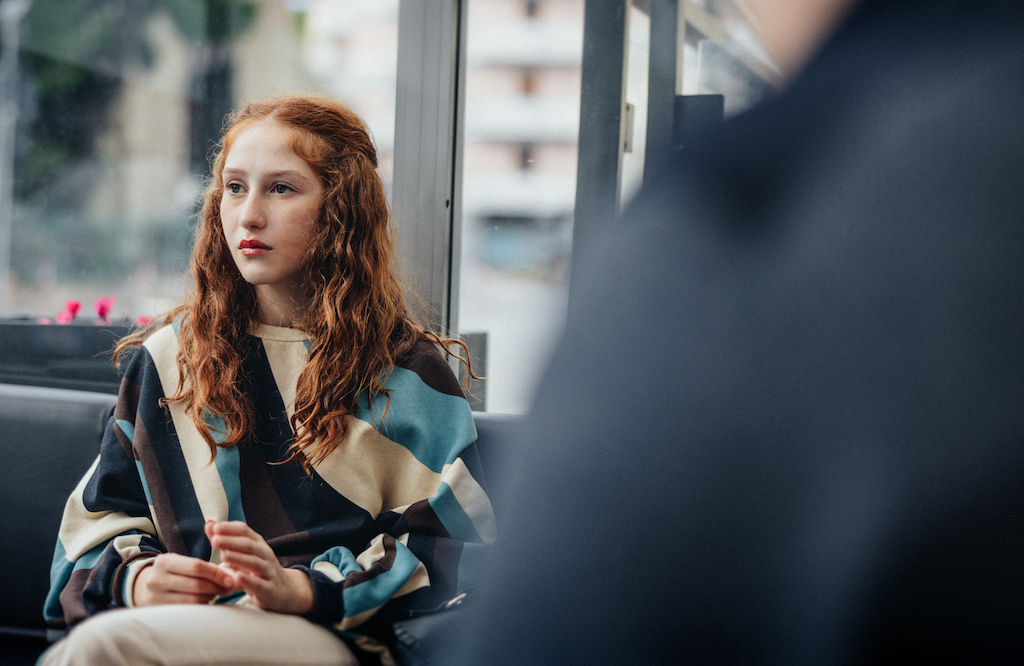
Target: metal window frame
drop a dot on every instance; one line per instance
(430, 111)
(429, 120)
(427, 189)
(604, 125)
(602, 121)
(429, 117)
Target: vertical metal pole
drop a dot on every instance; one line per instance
(663, 82)
(427, 194)
(11, 14)
(602, 109)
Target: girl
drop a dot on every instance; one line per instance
(291, 460)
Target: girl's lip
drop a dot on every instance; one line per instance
(253, 244)
(251, 247)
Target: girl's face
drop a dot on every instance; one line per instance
(268, 210)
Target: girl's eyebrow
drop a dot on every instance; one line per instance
(270, 174)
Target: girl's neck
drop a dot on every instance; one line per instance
(278, 309)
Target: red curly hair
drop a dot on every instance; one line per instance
(355, 316)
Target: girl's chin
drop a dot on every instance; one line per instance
(277, 289)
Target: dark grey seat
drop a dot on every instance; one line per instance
(49, 438)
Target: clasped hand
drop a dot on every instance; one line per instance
(250, 565)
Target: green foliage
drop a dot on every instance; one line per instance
(71, 110)
(96, 34)
(216, 22)
(75, 51)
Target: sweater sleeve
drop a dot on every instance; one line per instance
(107, 531)
(432, 549)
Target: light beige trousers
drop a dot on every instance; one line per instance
(179, 635)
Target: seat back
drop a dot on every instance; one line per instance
(49, 437)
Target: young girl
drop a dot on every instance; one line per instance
(291, 459)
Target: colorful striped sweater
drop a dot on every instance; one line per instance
(394, 519)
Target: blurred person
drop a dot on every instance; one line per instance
(785, 421)
(291, 460)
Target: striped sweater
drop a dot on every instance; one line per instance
(394, 519)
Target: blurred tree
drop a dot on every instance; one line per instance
(74, 55)
(212, 25)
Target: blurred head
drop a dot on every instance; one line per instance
(792, 30)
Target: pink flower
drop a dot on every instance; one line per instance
(103, 307)
(71, 309)
(143, 320)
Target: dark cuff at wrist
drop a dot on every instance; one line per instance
(328, 605)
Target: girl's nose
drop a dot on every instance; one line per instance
(251, 215)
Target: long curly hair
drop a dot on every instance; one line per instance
(355, 315)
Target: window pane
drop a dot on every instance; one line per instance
(118, 106)
(519, 184)
(522, 114)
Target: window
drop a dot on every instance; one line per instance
(117, 109)
(519, 184)
(476, 112)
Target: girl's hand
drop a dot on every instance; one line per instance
(257, 570)
(180, 579)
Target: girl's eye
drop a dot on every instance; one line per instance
(281, 188)
(234, 188)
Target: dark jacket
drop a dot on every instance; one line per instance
(785, 422)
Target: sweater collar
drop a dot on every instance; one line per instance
(279, 334)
